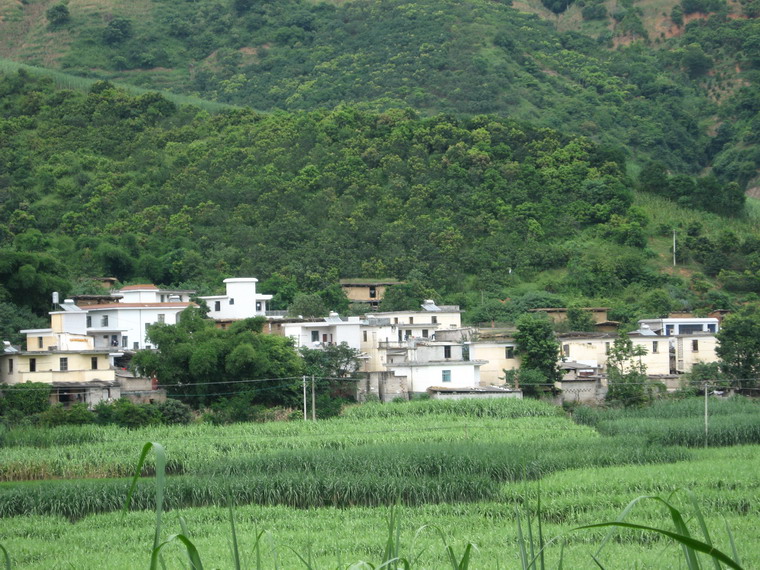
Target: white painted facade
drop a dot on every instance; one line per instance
(330, 330)
(674, 326)
(241, 301)
(124, 325)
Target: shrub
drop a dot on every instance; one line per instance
(175, 412)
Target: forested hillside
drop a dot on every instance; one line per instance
(659, 80)
(104, 183)
(473, 149)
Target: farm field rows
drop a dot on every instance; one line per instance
(323, 491)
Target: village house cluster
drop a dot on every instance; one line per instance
(84, 355)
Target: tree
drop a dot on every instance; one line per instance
(199, 362)
(627, 382)
(57, 15)
(579, 319)
(537, 346)
(117, 30)
(307, 305)
(739, 346)
(332, 361)
(532, 382)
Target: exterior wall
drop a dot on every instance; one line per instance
(675, 326)
(435, 395)
(40, 340)
(492, 373)
(240, 301)
(48, 368)
(420, 378)
(444, 319)
(685, 355)
(362, 294)
(328, 333)
(586, 350)
(70, 322)
(656, 362)
(385, 385)
(582, 391)
(130, 322)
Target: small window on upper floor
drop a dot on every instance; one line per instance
(509, 352)
(445, 375)
(411, 320)
(447, 351)
(63, 364)
(695, 346)
(10, 366)
(32, 365)
(434, 320)
(232, 301)
(365, 336)
(161, 318)
(39, 342)
(655, 347)
(89, 321)
(94, 362)
(217, 305)
(104, 321)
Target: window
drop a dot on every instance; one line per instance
(124, 341)
(365, 336)
(654, 347)
(163, 298)
(32, 365)
(104, 321)
(372, 292)
(63, 364)
(232, 301)
(39, 342)
(411, 320)
(89, 321)
(434, 320)
(424, 333)
(217, 305)
(447, 351)
(10, 366)
(510, 352)
(314, 336)
(695, 346)
(162, 318)
(395, 320)
(445, 375)
(258, 306)
(711, 328)
(606, 348)
(136, 346)
(566, 350)
(94, 362)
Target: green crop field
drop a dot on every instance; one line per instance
(452, 474)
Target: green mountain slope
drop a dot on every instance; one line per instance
(462, 57)
(104, 183)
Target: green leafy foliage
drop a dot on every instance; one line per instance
(200, 363)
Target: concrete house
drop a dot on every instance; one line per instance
(427, 364)
(319, 333)
(65, 357)
(368, 291)
(240, 301)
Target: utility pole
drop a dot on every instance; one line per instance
(674, 247)
(313, 401)
(705, 414)
(304, 397)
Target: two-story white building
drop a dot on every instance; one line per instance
(240, 301)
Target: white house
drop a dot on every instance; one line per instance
(672, 326)
(241, 301)
(330, 330)
(428, 364)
